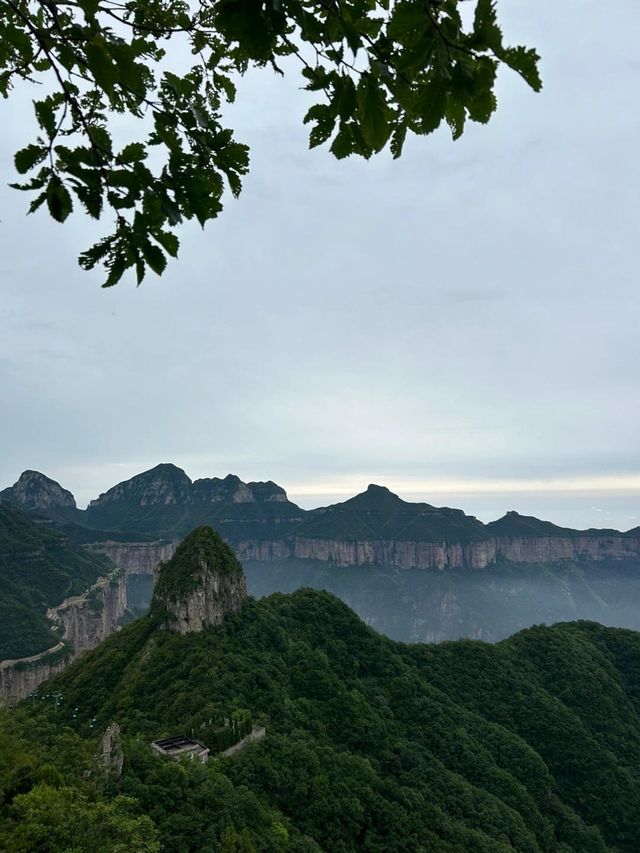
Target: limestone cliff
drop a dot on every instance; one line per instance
(88, 619)
(135, 558)
(82, 621)
(199, 585)
(19, 678)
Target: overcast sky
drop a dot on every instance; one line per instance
(460, 325)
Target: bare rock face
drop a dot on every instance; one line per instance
(200, 584)
(89, 618)
(135, 558)
(165, 484)
(35, 491)
(112, 756)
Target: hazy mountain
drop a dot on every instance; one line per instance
(412, 570)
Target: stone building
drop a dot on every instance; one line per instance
(176, 747)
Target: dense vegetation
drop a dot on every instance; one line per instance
(39, 568)
(202, 550)
(530, 745)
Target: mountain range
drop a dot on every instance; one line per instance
(164, 502)
(413, 571)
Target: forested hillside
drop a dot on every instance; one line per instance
(39, 568)
(532, 744)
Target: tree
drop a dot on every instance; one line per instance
(380, 69)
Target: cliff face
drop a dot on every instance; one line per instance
(83, 621)
(208, 604)
(456, 555)
(200, 584)
(143, 558)
(19, 679)
(88, 619)
(135, 558)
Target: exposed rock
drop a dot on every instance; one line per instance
(89, 618)
(84, 621)
(20, 678)
(231, 489)
(112, 755)
(135, 558)
(200, 584)
(163, 485)
(34, 491)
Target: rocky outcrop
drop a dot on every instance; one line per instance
(19, 678)
(34, 491)
(111, 752)
(88, 619)
(200, 584)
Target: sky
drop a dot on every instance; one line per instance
(460, 325)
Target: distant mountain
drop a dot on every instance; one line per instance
(414, 571)
(35, 491)
(39, 567)
(379, 514)
(515, 525)
(165, 502)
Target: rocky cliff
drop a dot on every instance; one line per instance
(200, 584)
(19, 678)
(143, 558)
(87, 619)
(135, 558)
(459, 555)
(82, 622)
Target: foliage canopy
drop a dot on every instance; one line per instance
(380, 68)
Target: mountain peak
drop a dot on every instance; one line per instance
(162, 485)
(34, 490)
(375, 497)
(200, 584)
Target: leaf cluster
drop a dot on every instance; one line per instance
(382, 68)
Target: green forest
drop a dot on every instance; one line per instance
(39, 568)
(532, 744)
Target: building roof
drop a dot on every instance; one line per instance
(176, 744)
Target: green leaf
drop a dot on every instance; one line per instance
(432, 105)
(154, 257)
(58, 199)
(168, 241)
(101, 65)
(373, 112)
(132, 153)
(89, 7)
(397, 139)
(525, 62)
(29, 157)
(455, 115)
(342, 146)
(46, 115)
